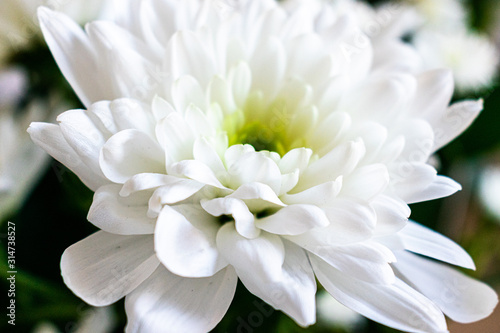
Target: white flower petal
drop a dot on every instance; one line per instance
(161, 108)
(205, 153)
(396, 305)
(195, 170)
(188, 56)
(145, 181)
(294, 293)
(460, 297)
(261, 257)
(419, 239)
(410, 180)
(173, 193)
(103, 267)
(255, 167)
(366, 261)
(128, 153)
(50, 138)
(131, 114)
(366, 182)
(240, 79)
(123, 216)
(85, 135)
(320, 195)
(243, 218)
(392, 214)
(219, 92)
(268, 66)
(175, 137)
(293, 220)
(65, 39)
(458, 117)
(257, 196)
(340, 161)
(350, 222)
(295, 159)
(188, 248)
(433, 95)
(169, 303)
(440, 187)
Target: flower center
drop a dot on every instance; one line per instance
(265, 127)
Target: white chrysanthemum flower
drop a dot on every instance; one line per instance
(251, 146)
(21, 162)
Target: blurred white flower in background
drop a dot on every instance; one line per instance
(489, 190)
(441, 15)
(21, 162)
(445, 39)
(442, 37)
(332, 313)
(93, 320)
(471, 56)
(19, 23)
(272, 146)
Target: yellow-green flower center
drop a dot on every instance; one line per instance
(265, 127)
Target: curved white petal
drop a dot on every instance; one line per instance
(255, 167)
(205, 153)
(188, 56)
(169, 303)
(366, 261)
(433, 95)
(293, 220)
(456, 119)
(338, 162)
(128, 153)
(419, 239)
(195, 170)
(295, 159)
(104, 267)
(174, 192)
(409, 180)
(392, 214)
(85, 135)
(320, 195)
(65, 38)
(118, 215)
(257, 196)
(440, 187)
(350, 222)
(244, 220)
(395, 305)
(261, 257)
(460, 297)
(50, 138)
(366, 182)
(185, 243)
(294, 294)
(145, 181)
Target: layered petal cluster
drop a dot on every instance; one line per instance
(250, 143)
